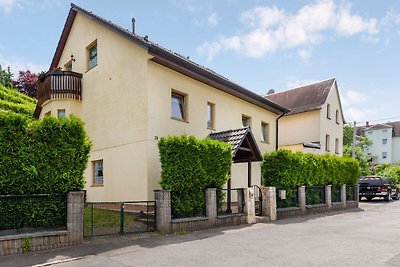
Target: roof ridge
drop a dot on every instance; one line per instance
(306, 85)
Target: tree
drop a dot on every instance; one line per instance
(27, 83)
(387, 170)
(6, 77)
(362, 142)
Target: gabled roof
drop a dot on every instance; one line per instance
(394, 125)
(244, 146)
(305, 98)
(170, 60)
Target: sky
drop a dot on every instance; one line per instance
(260, 45)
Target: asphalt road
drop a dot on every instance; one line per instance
(367, 236)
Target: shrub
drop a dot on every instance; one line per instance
(13, 101)
(284, 168)
(189, 166)
(46, 156)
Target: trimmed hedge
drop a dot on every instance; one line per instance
(46, 156)
(284, 168)
(189, 166)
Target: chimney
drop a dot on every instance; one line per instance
(270, 92)
(367, 124)
(133, 25)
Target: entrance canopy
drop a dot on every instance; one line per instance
(244, 146)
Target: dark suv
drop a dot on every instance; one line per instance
(378, 186)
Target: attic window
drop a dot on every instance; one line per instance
(92, 55)
(337, 116)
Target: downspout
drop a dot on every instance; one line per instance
(277, 129)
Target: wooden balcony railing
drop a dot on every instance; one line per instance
(60, 85)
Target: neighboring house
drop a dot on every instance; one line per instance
(385, 137)
(315, 121)
(130, 92)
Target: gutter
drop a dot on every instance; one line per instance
(277, 129)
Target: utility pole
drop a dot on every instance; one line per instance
(354, 140)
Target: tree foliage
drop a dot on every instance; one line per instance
(362, 142)
(387, 170)
(27, 83)
(284, 168)
(6, 77)
(13, 101)
(189, 166)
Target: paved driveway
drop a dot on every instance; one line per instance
(367, 236)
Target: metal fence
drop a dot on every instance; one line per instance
(32, 213)
(258, 200)
(336, 192)
(351, 193)
(107, 218)
(231, 201)
(287, 197)
(315, 195)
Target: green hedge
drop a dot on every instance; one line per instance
(189, 166)
(46, 156)
(284, 168)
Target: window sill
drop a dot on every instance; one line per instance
(97, 185)
(211, 129)
(329, 118)
(91, 68)
(265, 142)
(177, 119)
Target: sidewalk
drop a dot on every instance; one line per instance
(91, 246)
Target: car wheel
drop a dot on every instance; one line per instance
(388, 197)
(369, 198)
(396, 196)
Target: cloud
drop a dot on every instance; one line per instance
(294, 82)
(213, 20)
(270, 29)
(305, 54)
(17, 64)
(6, 5)
(353, 97)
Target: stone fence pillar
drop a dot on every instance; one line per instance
(163, 210)
(75, 217)
(302, 198)
(269, 202)
(211, 205)
(343, 195)
(249, 205)
(328, 196)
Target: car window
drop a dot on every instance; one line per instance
(371, 181)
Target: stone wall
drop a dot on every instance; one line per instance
(15, 244)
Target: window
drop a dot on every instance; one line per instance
(384, 131)
(328, 111)
(178, 109)
(264, 132)
(337, 146)
(68, 66)
(369, 132)
(92, 55)
(337, 116)
(384, 141)
(246, 121)
(98, 178)
(327, 140)
(61, 113)
(210, 115)
(384, 155)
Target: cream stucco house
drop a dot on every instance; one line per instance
(130, 92)
(315, 121)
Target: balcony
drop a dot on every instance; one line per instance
(58, 85)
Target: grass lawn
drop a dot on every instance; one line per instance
(106, 221)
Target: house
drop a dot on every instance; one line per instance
(315, 121)
(130, 91)
(385, 138)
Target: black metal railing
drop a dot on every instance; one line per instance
(231, 201)
(336, 193)
(32, 213)
(107, 218)
(287, 197)
(315, 195)
(351, 194)
(258, 199)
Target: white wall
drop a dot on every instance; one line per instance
(375, 150)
